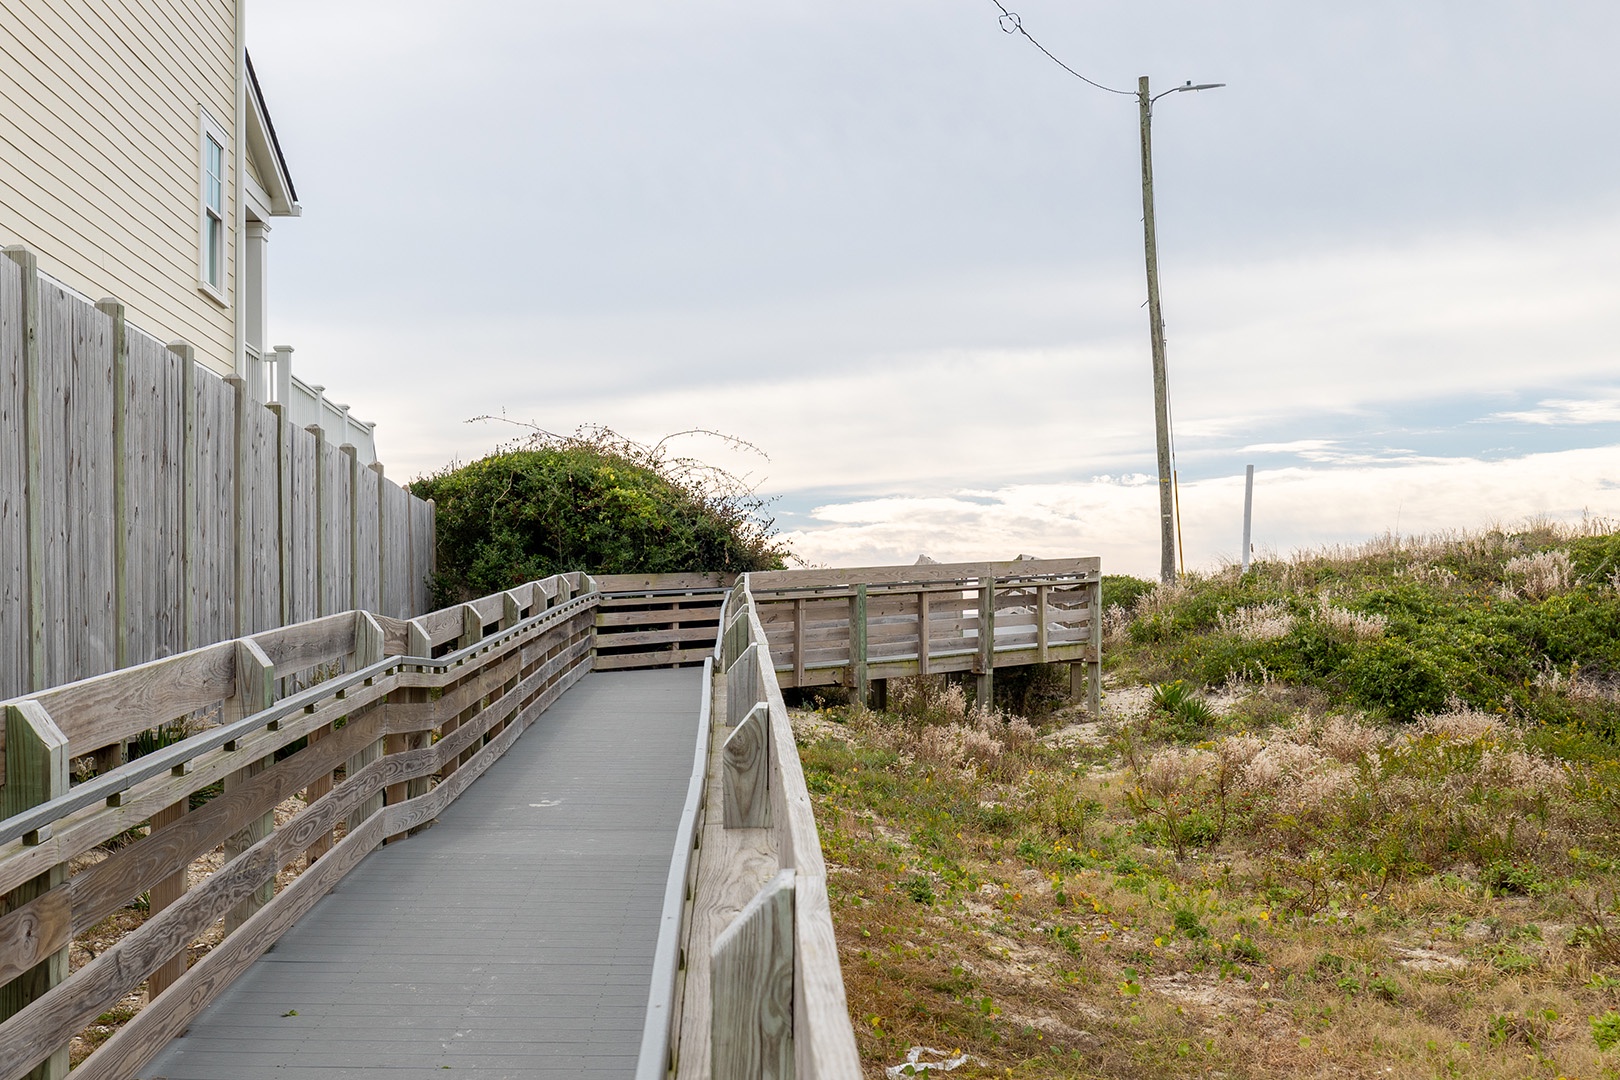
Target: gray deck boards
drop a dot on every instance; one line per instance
(512, 939)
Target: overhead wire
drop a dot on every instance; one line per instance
(1012, 24)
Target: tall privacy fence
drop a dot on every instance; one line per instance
(148, 507)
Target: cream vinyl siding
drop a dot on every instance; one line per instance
(100, 136)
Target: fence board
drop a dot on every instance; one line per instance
(337, 577)
(395, 527)
(366, 550)
(153, 431)
(231, 579)
(213, 564)
(259, 503)
(300, 572)
(13, 565)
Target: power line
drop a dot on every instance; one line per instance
(1012, 24)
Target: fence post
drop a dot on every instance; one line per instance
(120, 449)
(283, 511)
(348, 451)
(383, 606)
(984, 692)
(34, 469)
(924, 614)
(244, 519)
(857, 646)
(188, 491)
(751, 986)
(111, 757)
(36, 772)
(323, 546)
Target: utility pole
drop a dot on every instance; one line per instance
(1161, 396)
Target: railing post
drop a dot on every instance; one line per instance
(1094, 663)
(742, 685)
(924, 598)
(368, 650)
(36, 772)
(472, 627)
(859, 683)
(751, 986)
(255, 691)
(33, 418)
(798, 641)
(984, 668)
(1041, 615)
(746, 762)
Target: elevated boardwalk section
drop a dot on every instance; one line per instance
(559, 830)
(513, 938)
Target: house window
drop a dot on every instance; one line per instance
(211, 218)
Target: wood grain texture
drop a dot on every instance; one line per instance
(36, 771)
(31, 933)
(166, 1017)
(751, 983)
(730, 866)
(746, 757)
(14, 623)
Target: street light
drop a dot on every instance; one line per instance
(1161, 396)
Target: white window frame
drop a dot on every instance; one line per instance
(210, 130)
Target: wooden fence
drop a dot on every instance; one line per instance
(388, 723)
(148, 507)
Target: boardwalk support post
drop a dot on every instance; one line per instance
(36, 772)
(751, 980)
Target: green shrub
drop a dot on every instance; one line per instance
(1392, 676)
(595, 502)
(1606, 1030)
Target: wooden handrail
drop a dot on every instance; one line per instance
(449, 717)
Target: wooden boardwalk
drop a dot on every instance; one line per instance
(514, 938)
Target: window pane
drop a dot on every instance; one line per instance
(215, 268)
(215, 165)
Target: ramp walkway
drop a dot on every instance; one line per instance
(561, 830)
(514, 938)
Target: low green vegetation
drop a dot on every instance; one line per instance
(591, 501)
(1353, 814)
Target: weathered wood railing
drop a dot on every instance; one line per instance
(860, 626)
(383, 724)
(767, 990)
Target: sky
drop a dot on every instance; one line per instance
(900, 252)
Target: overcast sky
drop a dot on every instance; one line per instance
(901, 251)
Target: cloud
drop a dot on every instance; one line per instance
(1559, 412)
(1294, 508)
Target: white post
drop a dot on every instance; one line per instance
(1248, 512)
(283, 375)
